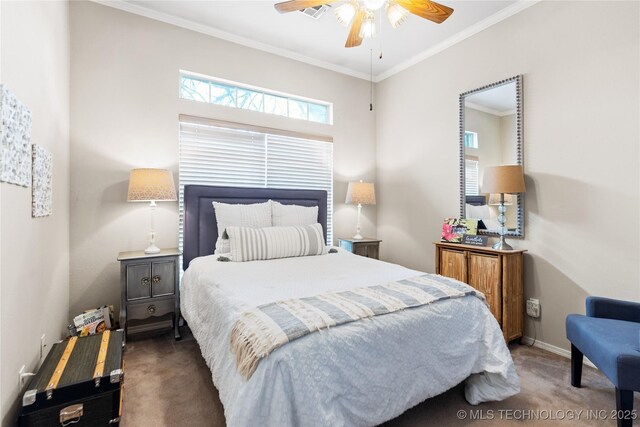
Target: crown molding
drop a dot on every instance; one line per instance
(233, 38)
(489, 110)
(503, 14)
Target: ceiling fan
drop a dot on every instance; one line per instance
(361, 14)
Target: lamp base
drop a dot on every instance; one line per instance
(501, 245)
(152, 249)
(358, 236)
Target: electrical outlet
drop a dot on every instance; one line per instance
(43, 345)
(533, 308)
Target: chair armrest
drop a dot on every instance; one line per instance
(608, 308)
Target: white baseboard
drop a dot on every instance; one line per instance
(553, 349)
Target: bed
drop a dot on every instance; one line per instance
(357, 374)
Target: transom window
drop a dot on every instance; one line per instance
(470, 139)
(200, 88)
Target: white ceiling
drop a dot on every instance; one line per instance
(321, 42)
(498, 100)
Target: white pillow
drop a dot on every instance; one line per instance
(249, 244)
(254, 215)
(287, 215)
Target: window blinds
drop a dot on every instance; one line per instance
(211, 154)
(471, 176)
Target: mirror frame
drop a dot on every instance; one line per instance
(519, 231)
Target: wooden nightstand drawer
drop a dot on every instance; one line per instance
(145, 310)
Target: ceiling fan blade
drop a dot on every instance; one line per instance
(427, 9)
(354, 38)
(293, 5)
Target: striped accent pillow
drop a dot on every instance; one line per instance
(249, 244)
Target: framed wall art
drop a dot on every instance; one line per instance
(15, 139)
(41, 189)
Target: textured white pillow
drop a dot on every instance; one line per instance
(249, 244)
(287, 215)
(255, 215)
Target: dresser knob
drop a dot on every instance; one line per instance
(151, 309)
(157, 279)
(145, 281)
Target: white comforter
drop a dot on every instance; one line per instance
(358, 374)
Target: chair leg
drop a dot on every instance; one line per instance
(576, 366)
(624, 407)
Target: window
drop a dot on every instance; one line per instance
(229, 94)
(470, 139)
(225, 154)
(471, 176)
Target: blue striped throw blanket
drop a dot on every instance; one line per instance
(263, 329)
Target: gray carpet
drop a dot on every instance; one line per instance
(168, 384)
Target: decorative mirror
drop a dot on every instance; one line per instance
(491, 135)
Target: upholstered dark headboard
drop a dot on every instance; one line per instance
(476, 200)
(200, 224)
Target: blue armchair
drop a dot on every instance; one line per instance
(609, 335)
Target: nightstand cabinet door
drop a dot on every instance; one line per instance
(163, 278)
(453, 264)
(138, 281)
(485, 275)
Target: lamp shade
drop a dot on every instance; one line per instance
(147, 185)
(362, 193)
(503, 179)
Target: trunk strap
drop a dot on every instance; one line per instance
(55, 378)
(102, 357)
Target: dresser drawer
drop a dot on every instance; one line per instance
(147, 309)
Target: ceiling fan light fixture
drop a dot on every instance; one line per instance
(374, 5)
(396, 14)
(345, 13)
(368, 28)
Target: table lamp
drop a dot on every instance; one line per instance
(507, 179)
(360, 193)
(151, 185)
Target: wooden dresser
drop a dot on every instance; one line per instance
(496, 273)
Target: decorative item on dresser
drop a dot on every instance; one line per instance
(360, 193)
(496, 273)
(503, 180)
(366, 247)
(151, 185)
(80, 381)
(150, 291)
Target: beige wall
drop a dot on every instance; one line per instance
(124, 114)
(35, 252)
(581, 133)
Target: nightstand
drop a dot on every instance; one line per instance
(365, 247)
(149, 297)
